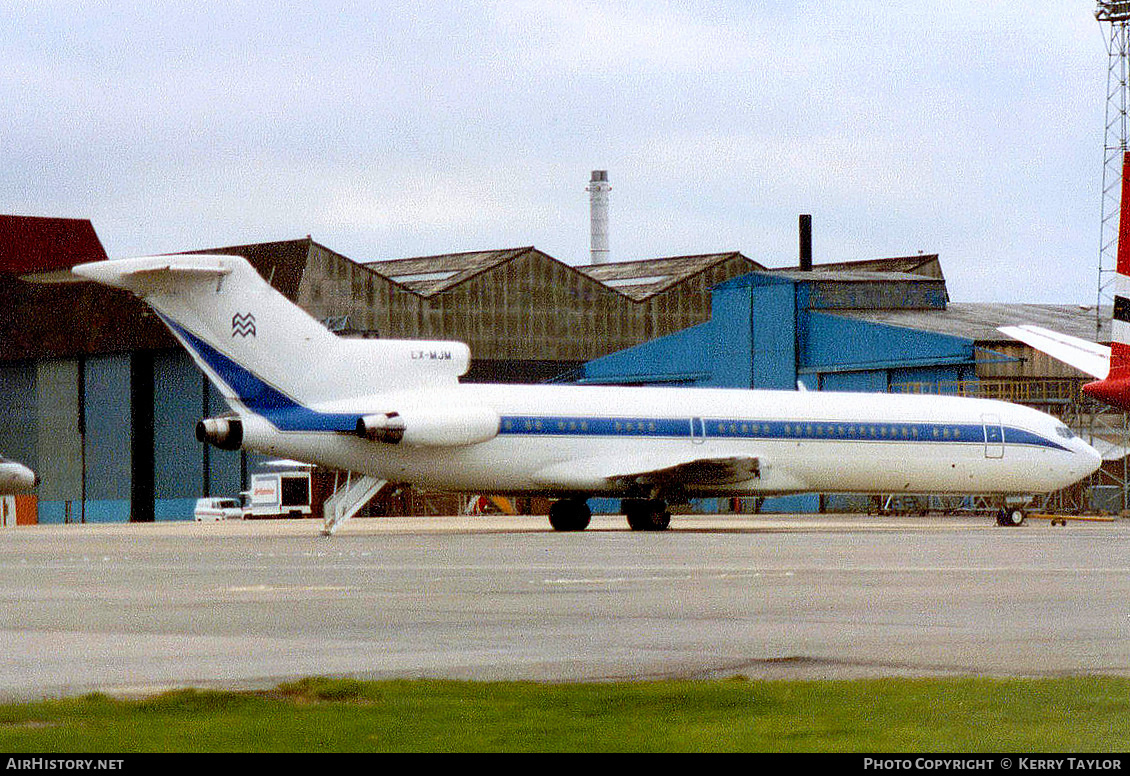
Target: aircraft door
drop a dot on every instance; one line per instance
(994, 436)
(698, 431)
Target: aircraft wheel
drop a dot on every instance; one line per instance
(1011, 518)
(660, 520)
(570, 514)
(646, 515)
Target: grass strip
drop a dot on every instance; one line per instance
(1086, 714)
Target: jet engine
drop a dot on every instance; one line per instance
(224, 433)
(451, 427)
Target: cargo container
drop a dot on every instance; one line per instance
(279, 494)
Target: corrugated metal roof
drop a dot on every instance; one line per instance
(849, 275)
(430, 275)
(639, 280)
(979, 321)
(925, 264)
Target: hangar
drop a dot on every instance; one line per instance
(528, 317)
(839, 328)
(99, 399)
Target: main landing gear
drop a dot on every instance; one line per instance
(570, 514)
(644, 514)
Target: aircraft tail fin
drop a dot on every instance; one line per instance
(1115, 387)
(264, 353)
(1120, 323)
(1110, 365)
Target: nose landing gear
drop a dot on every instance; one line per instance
(1011, 517)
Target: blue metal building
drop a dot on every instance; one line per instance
(781, 329)
(775, 329)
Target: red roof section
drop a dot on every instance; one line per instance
(35, 244)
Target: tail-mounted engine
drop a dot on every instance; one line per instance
(224, 433)
(451, 427)
(387, 428)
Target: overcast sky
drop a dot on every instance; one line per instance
(389, 130)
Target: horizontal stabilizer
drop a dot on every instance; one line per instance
(1088, 357)
(135, 274)
(201, 271)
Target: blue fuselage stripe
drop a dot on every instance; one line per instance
(286, 414)
(772, 430)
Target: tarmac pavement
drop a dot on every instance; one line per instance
(247, 604)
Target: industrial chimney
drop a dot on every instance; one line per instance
(598, 189)
(806, 242)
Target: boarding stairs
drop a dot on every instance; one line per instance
(348, 499)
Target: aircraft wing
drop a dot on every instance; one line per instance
(680, 469)
(704, 471)
(1085, 356)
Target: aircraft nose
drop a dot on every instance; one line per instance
(1091, 459)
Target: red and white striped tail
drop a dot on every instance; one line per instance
(1120, 325)
(1115, 389)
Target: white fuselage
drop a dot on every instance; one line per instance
(567, 439)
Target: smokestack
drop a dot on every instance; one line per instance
(806, 242)
(598, 189)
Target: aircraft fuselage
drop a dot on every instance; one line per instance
(556, 439)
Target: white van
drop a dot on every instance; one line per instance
(218, 509)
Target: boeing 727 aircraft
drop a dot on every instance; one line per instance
(395, 410)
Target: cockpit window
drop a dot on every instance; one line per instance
(1064, 432)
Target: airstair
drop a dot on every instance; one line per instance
(348, 499)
